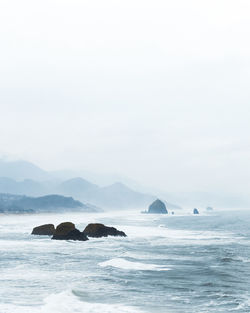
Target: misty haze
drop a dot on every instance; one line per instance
(124, 156)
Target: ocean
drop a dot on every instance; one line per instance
(168, 263)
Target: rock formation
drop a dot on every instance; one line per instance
(195, 211)
(99, 230)
(47, 230)
(157, 207)
(67, 231)
(209, 208)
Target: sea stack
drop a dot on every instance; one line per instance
(195, 211)
(157, 207)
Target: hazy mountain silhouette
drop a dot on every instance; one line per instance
(20, 170)
(119, 195)
(25, 178)
(114, 196)
(77, 187)
(27, 186)
(51, 203)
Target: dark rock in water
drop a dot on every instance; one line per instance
(158, 207)
(75, 235)
(64, 228)
(47, 230)
(100, 230)
(209, 208)
(67, 231)
(196, 211)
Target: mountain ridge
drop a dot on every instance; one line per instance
(113, 196)
(10, 203)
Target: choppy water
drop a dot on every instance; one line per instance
(179, 263)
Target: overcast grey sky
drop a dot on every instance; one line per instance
(154, 90)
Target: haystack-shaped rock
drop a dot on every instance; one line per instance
(99, 230)
(67, 231)
(46, 230)
(157, 207)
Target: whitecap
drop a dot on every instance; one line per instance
(127, 265)
(66, 302)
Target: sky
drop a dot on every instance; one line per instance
(157, 91)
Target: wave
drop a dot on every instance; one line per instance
(127, 265)
(179, 235)
(67, 302)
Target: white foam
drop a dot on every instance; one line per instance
(161, 225)
(66, 302)
(244, 260)
(163, 235)
(21, 225)
(137, 266)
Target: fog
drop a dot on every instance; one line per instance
(157, 91)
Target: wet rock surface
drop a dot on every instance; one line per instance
(68, 231)
(99, 230)
(44, 230)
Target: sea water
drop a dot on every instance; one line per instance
(178, 263)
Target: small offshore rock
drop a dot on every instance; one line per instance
(209, 208)
(99, 230)
(44, 230)
(195, 211)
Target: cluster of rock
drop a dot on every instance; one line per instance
(68, 231)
